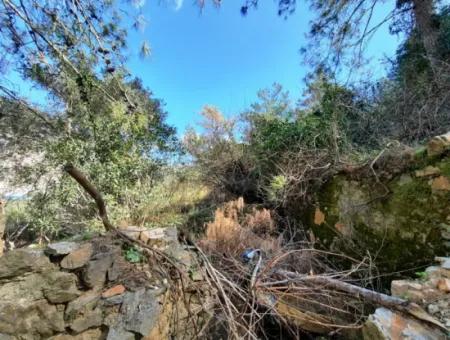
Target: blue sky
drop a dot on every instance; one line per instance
(219, 57)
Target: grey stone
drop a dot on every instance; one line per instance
(119, 334)
(445, 262)
(61, 248)
(95, 273)
(113, 300)
(141, 311)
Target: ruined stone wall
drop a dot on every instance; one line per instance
(90, 291)
(400, 218)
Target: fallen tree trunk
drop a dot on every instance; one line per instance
(376, 298)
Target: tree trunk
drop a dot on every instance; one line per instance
(428, 29)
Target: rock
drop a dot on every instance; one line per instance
(411, 291)
(30, 320)
(113, 300)
(444, 261)
(161, 237)
(437, 272)
(432, 309)
(118, 268)
(61, 248)
(116, 290)
(133, 231)
(84, 313)
(91, 334)
(77, 258)
(120, 334)
(385, 324)
(438, 145)
(61, 287)
(440, 183)
(95, 273)
(428, 171)
(141, 310)
(21, 261)
(444, 285)
(90, 319)
(26, 289)
(86, 302)
(139, 313)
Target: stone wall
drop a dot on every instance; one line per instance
(401, 219)
(89, 291)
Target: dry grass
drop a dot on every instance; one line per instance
(232, 231)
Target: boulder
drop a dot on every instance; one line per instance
(61, 248)
(385, 324)
(77, 258)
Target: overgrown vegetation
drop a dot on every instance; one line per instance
(276, 156)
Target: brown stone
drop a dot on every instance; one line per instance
(133, 231)
(438, 144)
(440, 183)
(385, 324)
(444, 285)
(413, 291)
(319, 217)
(116, 290)
(78, 258)
(428, 171)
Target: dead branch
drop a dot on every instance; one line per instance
(93, 192)
(371, 296)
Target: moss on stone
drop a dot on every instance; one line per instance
(400, 230)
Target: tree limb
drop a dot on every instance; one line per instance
(78, 176)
